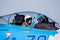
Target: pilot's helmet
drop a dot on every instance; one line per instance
(28, 19)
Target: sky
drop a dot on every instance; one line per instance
(50, 8)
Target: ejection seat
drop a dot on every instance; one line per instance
(18, 19)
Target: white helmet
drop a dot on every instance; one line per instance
(28, 19)
(27, 16)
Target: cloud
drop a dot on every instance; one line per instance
(56, 37)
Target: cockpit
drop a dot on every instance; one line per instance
(45, 23)
(26, 19)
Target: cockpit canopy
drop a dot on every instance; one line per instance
(26, 19)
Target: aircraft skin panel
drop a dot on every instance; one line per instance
(23, 33)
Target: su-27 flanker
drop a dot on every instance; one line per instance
(27, 26)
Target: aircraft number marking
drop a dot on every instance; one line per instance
(33, 37)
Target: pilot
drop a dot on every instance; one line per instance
(43, 19)
(28, 20)
(43, 23)
(22, 20)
